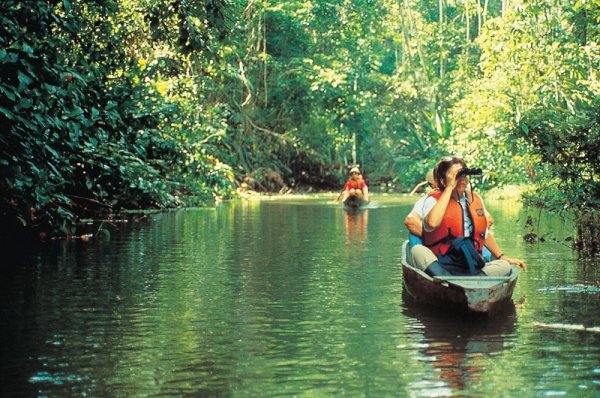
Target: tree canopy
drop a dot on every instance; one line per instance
(109, 104)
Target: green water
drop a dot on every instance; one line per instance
(289, 297)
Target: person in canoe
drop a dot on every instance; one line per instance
(355, 186)
(451, 214)
(414, 219)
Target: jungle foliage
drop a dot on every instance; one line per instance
(110, 104)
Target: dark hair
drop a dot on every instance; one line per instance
(435, 177)
(442, 168)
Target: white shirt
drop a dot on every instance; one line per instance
(420, 206)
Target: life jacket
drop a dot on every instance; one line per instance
(452, 225)
(352, 184)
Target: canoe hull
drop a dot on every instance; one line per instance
(354, 202)
(475, 294)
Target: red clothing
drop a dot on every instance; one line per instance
(453, 224)
(352, 184)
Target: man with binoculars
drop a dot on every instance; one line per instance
(450, 214)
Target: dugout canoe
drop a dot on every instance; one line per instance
(354, 202)
(473, 294)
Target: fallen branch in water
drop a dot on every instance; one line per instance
(90, 200)
(562, 326)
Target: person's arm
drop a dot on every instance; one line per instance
(414, 224)
(490, 243)
(436, 215)
(344, 189)
(488, 217)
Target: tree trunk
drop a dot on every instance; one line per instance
(264, 54)
(407, 51)
(485, 8)
(478, 18)
(419, 51)
(442, 30)
(505, 7)
(468, 19)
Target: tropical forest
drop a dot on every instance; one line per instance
(110, 105)
(171, 175)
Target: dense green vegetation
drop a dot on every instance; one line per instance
(110, 104)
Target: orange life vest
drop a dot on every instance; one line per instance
(352, 184)
(452, 225)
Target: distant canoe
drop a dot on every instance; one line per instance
(475, 294)
(354, 202)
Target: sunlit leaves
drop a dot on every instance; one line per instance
(146, 102)
(553, 94)
(83, 116)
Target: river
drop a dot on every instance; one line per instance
(289, 297)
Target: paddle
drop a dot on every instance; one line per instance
(337, 200)
(419, 185)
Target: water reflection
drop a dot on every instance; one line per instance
(356, 243)
(356, 226)
(458, 347)
(284, 298)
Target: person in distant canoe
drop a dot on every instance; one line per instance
(454, 212)
(354, 186)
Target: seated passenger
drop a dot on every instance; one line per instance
(453, 212)
(414, 220)
(355, 186)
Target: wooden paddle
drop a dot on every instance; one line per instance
(419, 185)
(337, 200)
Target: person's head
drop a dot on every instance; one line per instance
(430, 179)
(444, 166)
(354, 172)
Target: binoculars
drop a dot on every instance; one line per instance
(468, 171)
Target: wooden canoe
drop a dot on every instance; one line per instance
(354, 202)
(475, 294)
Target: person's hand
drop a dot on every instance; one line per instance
(451, 176)
(414, 224)
(515, 261)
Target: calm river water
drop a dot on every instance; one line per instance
(289, 297)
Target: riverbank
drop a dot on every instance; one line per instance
(89, 225)
(511, 192)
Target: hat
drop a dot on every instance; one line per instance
(429, 177)
(354, 170)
